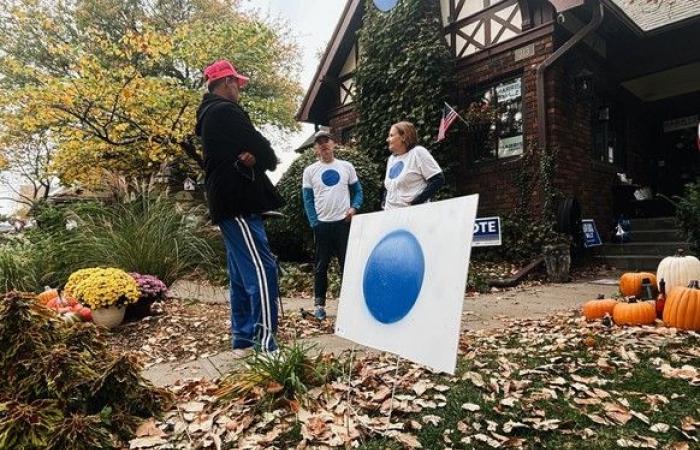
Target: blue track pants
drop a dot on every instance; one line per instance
(254, 290)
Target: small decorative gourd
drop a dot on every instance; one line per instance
(596, 309)
(678, 270)
(48, 294)
(631, 283)
(634, 313)
(682, 308)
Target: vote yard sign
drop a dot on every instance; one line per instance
(404, 279)
(591, 238)
(487, 232)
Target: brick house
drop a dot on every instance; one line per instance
(614, 86)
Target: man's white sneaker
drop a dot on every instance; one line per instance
(240, 353)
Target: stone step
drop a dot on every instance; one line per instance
(669, 235)
(656, 223)
(637, 262)
(642, 248)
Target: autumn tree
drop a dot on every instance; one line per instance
(116, 83)
(25, 169)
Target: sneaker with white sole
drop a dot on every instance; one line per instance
(320, 313)
(240, 353)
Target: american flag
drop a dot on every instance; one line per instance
(449, 115)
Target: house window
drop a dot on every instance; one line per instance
(495, 120)
(607, 131)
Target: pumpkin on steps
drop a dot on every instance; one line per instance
(678, 270)
(631, 283)
(634, 313)
(595, 309)
(682, 308)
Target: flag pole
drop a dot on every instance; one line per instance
(460, 117)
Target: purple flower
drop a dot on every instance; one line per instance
(149, 286)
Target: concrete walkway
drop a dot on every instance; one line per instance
(483, 311)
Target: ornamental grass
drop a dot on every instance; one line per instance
(146, 234)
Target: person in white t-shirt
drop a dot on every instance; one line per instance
(332, 194)
(412, 174)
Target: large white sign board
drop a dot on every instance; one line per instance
(404, 279)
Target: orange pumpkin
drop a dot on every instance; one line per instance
(47, 295)
(631, 283)
(682, 308)
(595, 309)
(634, 313)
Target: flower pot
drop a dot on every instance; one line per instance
(138, 310)
(108, 317)
(557, 259)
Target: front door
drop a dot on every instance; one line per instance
(678, 159)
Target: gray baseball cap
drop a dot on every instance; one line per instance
(323, 133)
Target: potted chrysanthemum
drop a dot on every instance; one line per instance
(151, 289)
(106, 291)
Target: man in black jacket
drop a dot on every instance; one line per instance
(236, 157)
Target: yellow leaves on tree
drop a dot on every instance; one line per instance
(119, 92)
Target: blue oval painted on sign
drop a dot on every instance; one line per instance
(385, 5)
(330, 177)
(393, 276)
(396, 170)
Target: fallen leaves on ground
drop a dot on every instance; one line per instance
(514, 382)
(182, 331)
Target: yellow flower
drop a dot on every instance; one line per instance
(102, 287)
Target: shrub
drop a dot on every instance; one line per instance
(688, 214)
(522, 239)
(291, 237)
(60, 382)
(299, 278)
(148, 234)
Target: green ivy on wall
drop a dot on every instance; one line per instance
(405, 72)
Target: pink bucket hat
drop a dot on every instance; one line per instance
(221, 69)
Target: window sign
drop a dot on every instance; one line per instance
(510, 146)
(508, 91)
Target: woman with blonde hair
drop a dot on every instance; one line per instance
(412, 174)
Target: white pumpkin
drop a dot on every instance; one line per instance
(678, 270)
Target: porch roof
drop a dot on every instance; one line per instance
(655, 16)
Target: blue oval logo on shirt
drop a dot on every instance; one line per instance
(396, 170)
(393, 276)
(330, 177)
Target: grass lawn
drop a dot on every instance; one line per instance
(562, 383)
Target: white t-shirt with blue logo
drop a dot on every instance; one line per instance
(406, 176)
(330, 182)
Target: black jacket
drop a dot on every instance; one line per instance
(232, 188)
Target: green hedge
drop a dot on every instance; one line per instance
(688, 215)
(290, 237)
